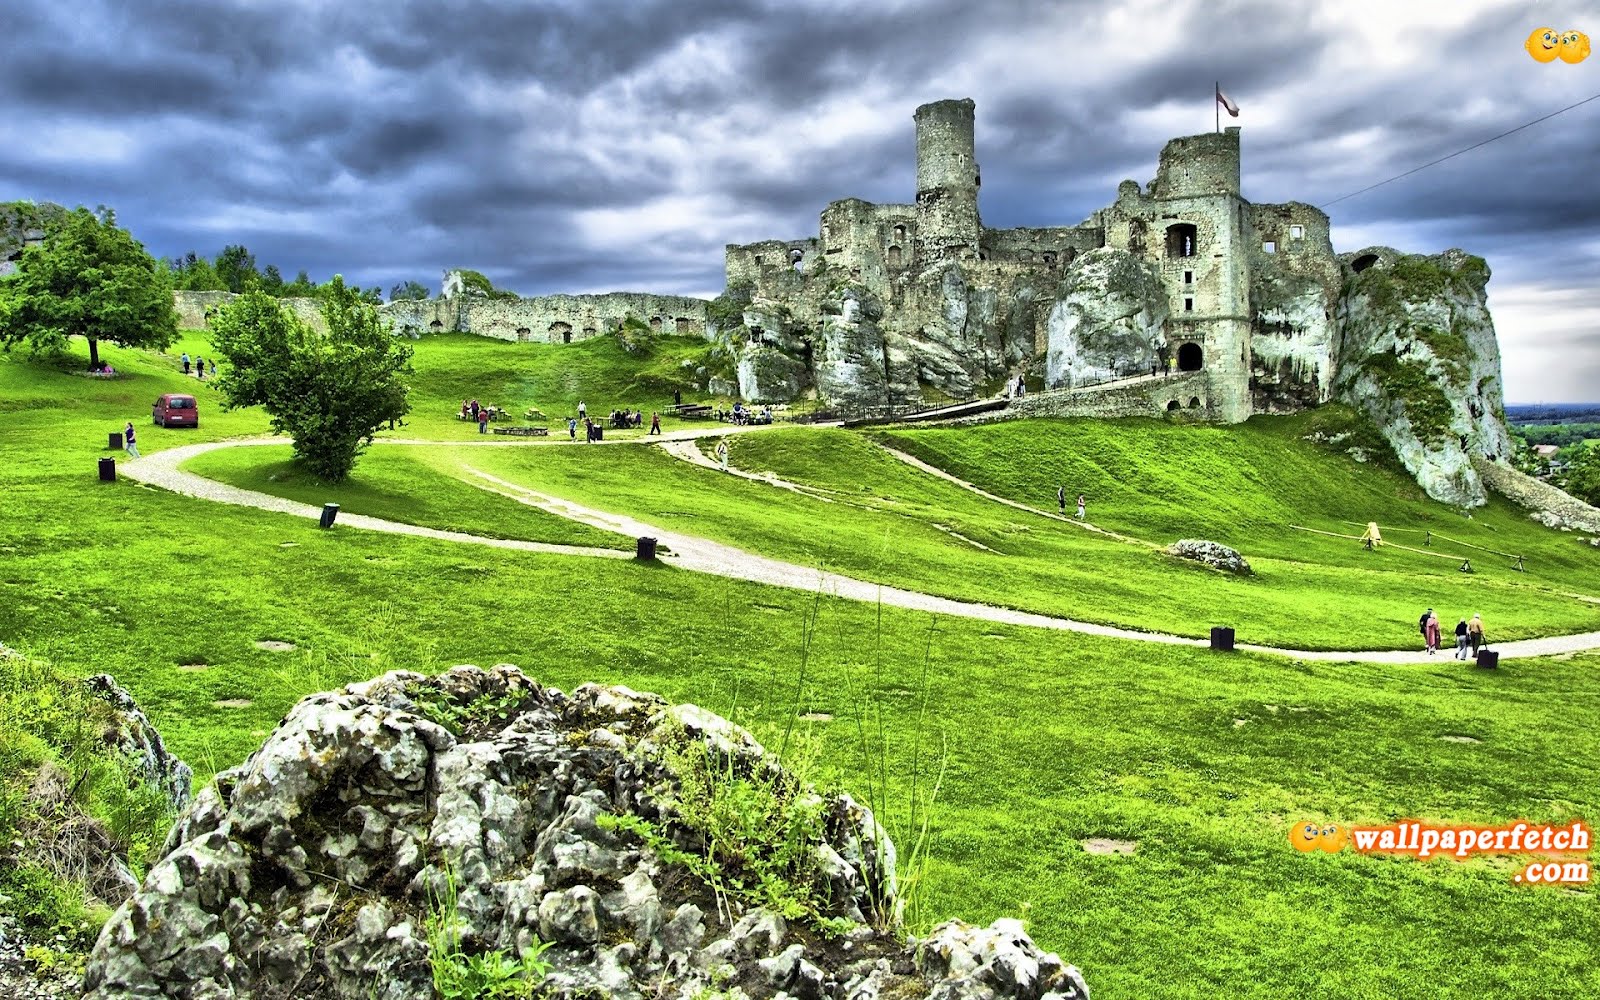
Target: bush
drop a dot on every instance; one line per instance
(635, 336)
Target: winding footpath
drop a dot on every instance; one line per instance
(702, 555)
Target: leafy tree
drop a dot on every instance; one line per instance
(329, 391)
(88, 279)
(301, 287)
(408, 290)
(272, 280)
(1582, 476)
(195, 274)
(236, 266)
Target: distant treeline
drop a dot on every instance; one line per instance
(1560, 435)
(234, 270)
(1554, 413)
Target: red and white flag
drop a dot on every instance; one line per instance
(1227, 103)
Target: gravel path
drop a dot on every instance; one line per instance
(705, 556)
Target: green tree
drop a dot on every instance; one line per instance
(236, 266)
(195, 274)
(1582, 476)
(272, 280)
(411, 290)
(329, 391)
(302, 287)
(88, 279)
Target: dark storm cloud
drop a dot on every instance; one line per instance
(561, 145)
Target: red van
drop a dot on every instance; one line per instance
(174, 409)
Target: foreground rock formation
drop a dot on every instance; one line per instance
(409, 827)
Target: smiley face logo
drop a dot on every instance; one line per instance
(1544, 44)
(1574, 47)
(1305, 836)
(1333, 838)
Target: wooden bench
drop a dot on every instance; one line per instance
(522, 431)
(692, 411)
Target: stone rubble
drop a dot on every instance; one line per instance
(311, 869)
(1213, 554)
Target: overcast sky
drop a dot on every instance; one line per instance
(600, 145)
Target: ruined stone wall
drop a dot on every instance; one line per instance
(1294, 289)
(1048, 246)
(195, 309)
(1151, 399)
(545, 318)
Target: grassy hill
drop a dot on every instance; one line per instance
(1047, 739)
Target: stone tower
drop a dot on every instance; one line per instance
(947, 180)
(1205, 257)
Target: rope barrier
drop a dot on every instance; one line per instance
(1387, 545)
(1431, 534)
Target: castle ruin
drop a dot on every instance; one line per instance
(970, 307)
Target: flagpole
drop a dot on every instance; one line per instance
(1216, 105)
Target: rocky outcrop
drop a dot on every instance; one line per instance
(1107, 320)
(1546, 504)
(388, 831)
(1213, 554)
(1418, 355)
(1294, 339)
(129, 735)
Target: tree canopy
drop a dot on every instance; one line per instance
(331, 391)
(90, 279)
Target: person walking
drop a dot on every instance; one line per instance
(1475, 634)
(655, 422)
(1422, 624)
(128, 443)
(1061, 499)
(475, 408)
(1461, 639)
(677, 397)
(1083, 505)
(1431, 633)
(722, 454)
(583, 411)
(199, 367)
(483, 420)
(572, 428)
(185, 360)
(213, 367)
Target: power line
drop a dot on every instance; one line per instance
(1458, 152)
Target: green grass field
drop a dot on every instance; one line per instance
(1048, 738)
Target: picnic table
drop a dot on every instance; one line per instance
(523, 431)
(692, 411)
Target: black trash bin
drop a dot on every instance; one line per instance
(108, 470)
(329, 512)
(647, 548)
(1488, 658)
(114, 440)
(599, 433)
(1222, 638)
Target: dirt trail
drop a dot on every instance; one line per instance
(702, 555)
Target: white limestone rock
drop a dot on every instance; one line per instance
(1106, 321)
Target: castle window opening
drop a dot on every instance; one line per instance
(655, 323)
(1363, 262)
(436, 325)
(1297, 232)
(566, 336)
(588, 331)
(1049, 258)
(1194, 402)
(899, 234)
(756, 334)
(1190, 357)
(855, 272)
(1174, 405)
(523, 333)
(894, 256)
(760, 260)
(684, 324)
(1182, 240)
(1270, 246)
(1188, 277)
(1188, 305)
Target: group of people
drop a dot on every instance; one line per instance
(473, 411)
(1016, 388)
(742, 414)
(199, 365)
(1469, 634)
